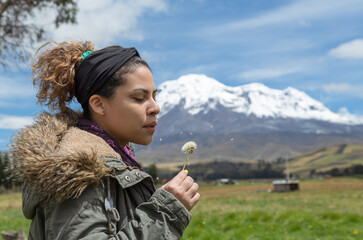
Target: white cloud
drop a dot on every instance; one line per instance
(343, 111)
(149, 57)
(102, 22)
(349, 50)
(12, 88)
(299, 12)
(14, 122)
(267, 73)
(337, 87)
(343, 88)
(105, 21)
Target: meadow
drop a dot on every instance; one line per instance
(322, 209)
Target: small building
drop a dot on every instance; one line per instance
(285, 185)
(226, 181)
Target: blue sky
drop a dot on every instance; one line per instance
(314, 46)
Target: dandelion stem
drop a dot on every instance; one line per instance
(185, 164)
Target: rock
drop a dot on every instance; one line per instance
(12, 235)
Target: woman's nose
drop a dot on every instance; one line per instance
(154, 109)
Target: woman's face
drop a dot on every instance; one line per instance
(130, 114)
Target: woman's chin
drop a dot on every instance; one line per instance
(144, 141)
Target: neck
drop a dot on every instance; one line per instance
(101, 123)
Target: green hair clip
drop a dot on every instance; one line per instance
(85, 54)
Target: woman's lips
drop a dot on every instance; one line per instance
(151, 126)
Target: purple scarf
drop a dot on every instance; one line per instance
(126, 153)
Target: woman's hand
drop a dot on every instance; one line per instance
(184, 189)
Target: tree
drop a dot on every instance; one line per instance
(153, 171)
(7, 179)
(16, 29)
(5, 176)
(2, 171)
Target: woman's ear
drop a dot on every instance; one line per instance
(97, 104)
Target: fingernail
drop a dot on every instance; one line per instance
(186, 171)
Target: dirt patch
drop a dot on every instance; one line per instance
(333, 186)
(223, 191)
(10, 204)
(218, 192)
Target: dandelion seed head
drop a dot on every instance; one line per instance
(189, 147)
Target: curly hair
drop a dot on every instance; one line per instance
(54, 70)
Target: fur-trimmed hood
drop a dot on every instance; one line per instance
(57, 160)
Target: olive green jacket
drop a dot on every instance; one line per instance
(71, 177)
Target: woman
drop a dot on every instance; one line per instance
(81, 180)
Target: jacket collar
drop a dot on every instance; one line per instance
(58, 160)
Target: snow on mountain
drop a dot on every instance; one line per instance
(201, 94)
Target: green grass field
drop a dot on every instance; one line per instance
(329, 209)
(11, 215)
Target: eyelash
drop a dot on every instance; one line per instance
(139, 99)
(143, 99)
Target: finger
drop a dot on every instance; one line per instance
(194, 200)
(178, 179)
(187, 183)
(193, 190)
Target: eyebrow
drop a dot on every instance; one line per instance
(145, 90)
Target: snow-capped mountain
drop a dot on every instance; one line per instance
(199, 94)
(245, 122)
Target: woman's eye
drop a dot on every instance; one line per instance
(139, 99)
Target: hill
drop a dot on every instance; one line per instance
(240, 147)
(337, 160)
(326, 159)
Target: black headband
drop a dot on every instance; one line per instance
(97, 68)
